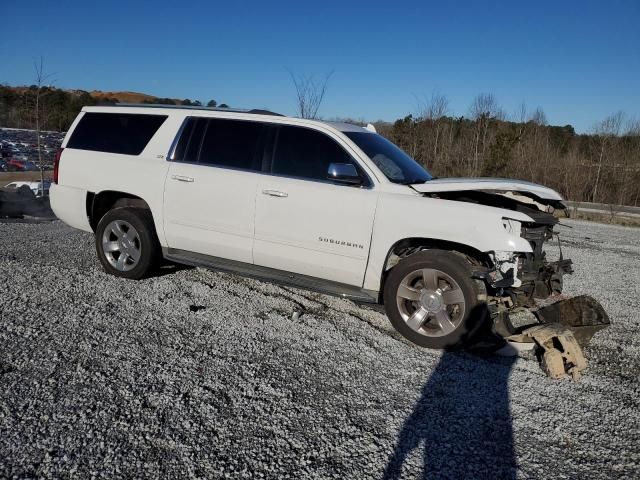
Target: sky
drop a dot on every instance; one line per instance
(578, 60)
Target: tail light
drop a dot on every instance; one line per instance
(56, 165)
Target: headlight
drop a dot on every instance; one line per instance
(512, 226)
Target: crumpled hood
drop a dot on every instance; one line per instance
(491, 185)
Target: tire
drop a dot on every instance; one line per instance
(126, 242)
(432, 300)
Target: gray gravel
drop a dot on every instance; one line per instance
(202, 374)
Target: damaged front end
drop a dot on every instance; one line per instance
(524, 290)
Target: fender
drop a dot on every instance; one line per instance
(399, 217)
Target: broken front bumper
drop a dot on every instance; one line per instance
(560, 332)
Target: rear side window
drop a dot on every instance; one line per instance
(125, 133)
(230, 143)
(304, 153)
(221, 142)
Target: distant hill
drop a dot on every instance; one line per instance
(109, 97)
(58, 107)
(130, 97)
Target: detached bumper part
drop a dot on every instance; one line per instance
(565, 327)
(561, 353)
(583, 315)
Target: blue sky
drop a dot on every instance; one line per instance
(578, 60)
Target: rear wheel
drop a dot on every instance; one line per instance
(126, 242)
(431, 299)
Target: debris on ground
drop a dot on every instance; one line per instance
(20, 202)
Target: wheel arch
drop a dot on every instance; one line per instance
(99, 203)
(406, 246)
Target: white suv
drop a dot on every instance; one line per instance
(330, 207)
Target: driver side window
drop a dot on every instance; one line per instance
(305, 153)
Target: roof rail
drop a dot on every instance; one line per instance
(255, 111)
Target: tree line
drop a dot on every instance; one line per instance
(602, 166)
(57, 108)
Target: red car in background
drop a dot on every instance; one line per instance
(20, 165)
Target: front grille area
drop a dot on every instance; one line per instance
(540, 278)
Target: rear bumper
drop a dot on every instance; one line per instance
(69, 205)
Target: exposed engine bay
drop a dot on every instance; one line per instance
(557, 326)
(528, 276)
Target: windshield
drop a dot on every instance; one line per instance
(394, 163)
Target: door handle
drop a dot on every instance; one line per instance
(182, 178)
(275, 193)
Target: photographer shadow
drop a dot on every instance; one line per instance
(461, 425)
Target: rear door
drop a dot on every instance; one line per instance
(305, 223)
(210, 190)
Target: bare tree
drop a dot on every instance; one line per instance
(310, 93)
(483, 109)
(520, 119)
(605, 131)
(538, 117)
(628, 161)
(434, 110)
(486, 105)
(633, 128)
(40, 79)
(520, 116)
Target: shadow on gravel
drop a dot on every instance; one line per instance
(169, 268)
(461, 423)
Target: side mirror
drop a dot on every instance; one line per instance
(344, 173)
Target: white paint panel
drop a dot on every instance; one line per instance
(487, 184)
(318, 229)
(400, 216)
(213, 214)
(69, 205)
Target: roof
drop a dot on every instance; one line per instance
(256, 111)
(340, 126)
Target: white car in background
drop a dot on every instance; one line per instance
(35, 187)
(330, 207)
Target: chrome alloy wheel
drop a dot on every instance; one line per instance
(430, 302)
(121, 245)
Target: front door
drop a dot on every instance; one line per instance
(306, 224)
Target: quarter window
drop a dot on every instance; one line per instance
(125, 133)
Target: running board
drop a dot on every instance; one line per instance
(272, 275)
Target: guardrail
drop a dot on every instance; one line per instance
(603, 208)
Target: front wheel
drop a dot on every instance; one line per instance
(432, 300)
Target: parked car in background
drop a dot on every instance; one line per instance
(30, 166)
(5, 150)
(16, 165)
(35, 187)
(19, 144)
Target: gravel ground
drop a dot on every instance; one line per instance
(195, 373)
